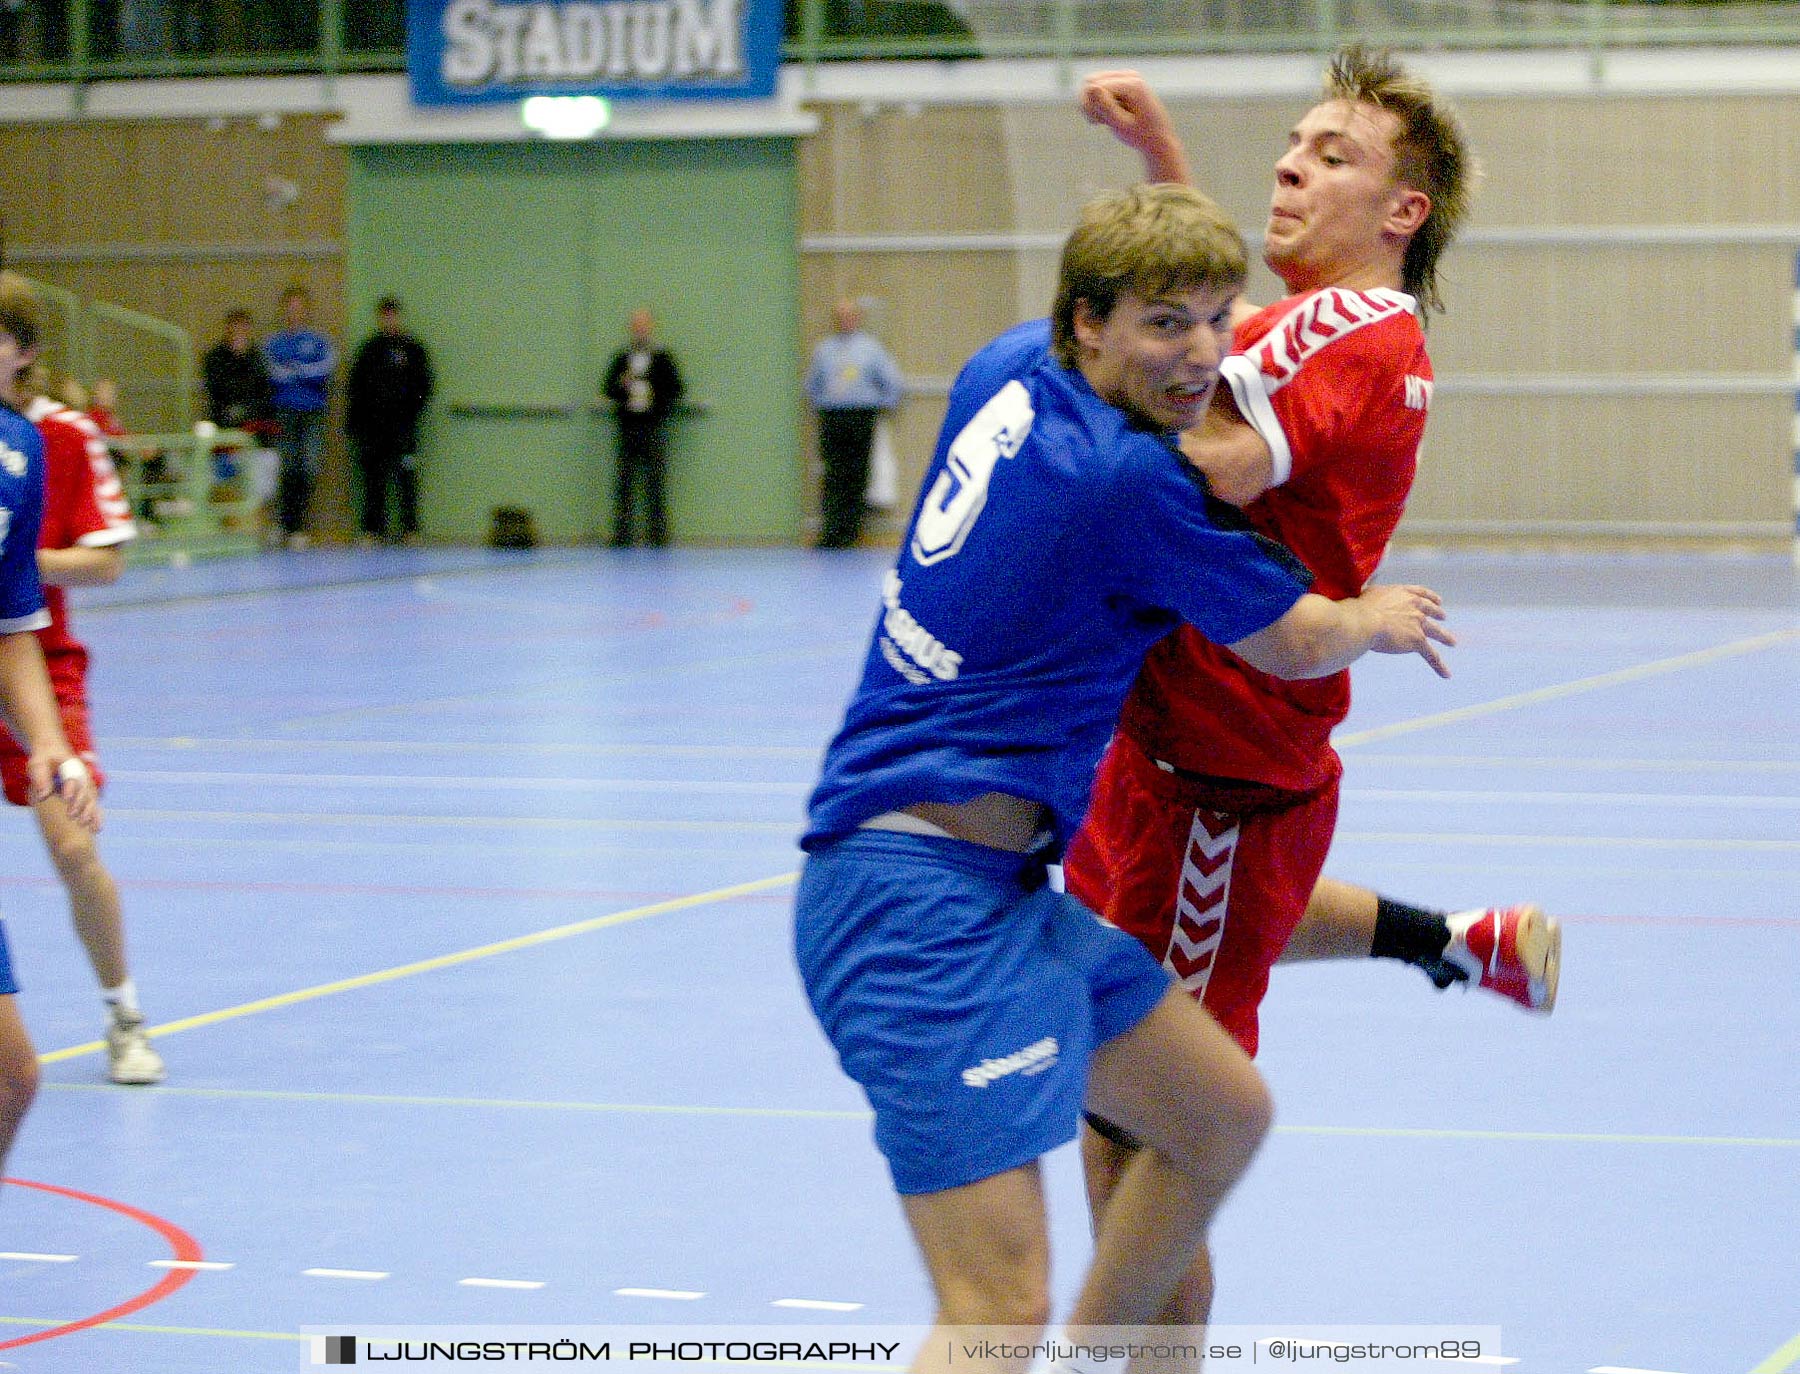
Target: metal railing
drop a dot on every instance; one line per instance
(83, 41)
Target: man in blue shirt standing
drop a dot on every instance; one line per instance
(851, 381)
(1059, 533)
(301, 362)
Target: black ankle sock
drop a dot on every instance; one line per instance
(1408, 933)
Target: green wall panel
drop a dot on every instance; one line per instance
(519, 264)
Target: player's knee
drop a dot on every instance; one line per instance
(1228, 1129)
(1022, 1307)
(73, 852)
(18, 1086)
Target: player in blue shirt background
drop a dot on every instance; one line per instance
(25, 692)
(1058, 535)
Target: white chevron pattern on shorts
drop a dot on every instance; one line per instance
(1201, 901)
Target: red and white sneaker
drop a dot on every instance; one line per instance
(1515, 951)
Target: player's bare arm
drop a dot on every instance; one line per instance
(1318, 637)
(81, 567)
(1123, 102)
(30, 709)
(1235, 459)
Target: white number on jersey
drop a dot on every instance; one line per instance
(997, 431)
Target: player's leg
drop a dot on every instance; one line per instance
(967, 1003)
(1106, 1150)
(1513, 951)
(1178, 1083)
(96, 912)
(986, 1246)
(18, 1060)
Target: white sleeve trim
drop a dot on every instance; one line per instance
(1246, 382)
(106, 538)
(37, 620)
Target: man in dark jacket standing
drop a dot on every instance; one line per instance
(390, 382)
(644, 383)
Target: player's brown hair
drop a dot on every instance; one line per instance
(20, 314)
(1149, 241)
(1431, 155)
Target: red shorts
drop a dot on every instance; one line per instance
(71, 702)
(1212, 876)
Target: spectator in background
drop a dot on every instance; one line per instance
(851, 381)
(239, 396)
(238, 391)
(644, 383)
(301, 362)
(390, 383)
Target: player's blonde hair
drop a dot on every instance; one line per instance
(1149, 241)
(1431, 155)
(20, 314)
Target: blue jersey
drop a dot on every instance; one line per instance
(1054, 542)
(21, 512)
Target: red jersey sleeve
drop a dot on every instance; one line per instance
(72, 514)
(1338, 384)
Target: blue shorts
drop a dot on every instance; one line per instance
(8, 984)
(965, 997)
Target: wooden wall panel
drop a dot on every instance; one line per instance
(1597, 459)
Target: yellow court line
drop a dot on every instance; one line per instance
(541, 937)
(847, 1114)
(1657, 668)
(164, 1330)
(1782, 1360)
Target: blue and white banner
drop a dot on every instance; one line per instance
(461, 52)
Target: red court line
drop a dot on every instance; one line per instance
(184, 1246)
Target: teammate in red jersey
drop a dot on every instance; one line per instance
(1215, 806)
(87, 523)
(29, 704)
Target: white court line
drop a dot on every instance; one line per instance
(817, 1305)
(1580, 686)
(1625, 1369)
(672, 1294)
(37, 1259)
(198, 1266)
(369, 1275)
(522, 1284)
(1443, 837)
(1573, 763)
(1690, 800)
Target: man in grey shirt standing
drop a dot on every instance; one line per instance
(851, 381)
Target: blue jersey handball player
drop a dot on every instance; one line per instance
(1059, 534)
(26, 697)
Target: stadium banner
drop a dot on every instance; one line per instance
(464, 52)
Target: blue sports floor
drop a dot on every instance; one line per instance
(458, 885)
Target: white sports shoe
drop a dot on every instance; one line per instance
(1515, 951)
(128, 1049)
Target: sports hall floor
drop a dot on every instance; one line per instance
(458, 884)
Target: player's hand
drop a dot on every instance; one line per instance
(1407, 620)
(1123, 102)
(66, 777)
